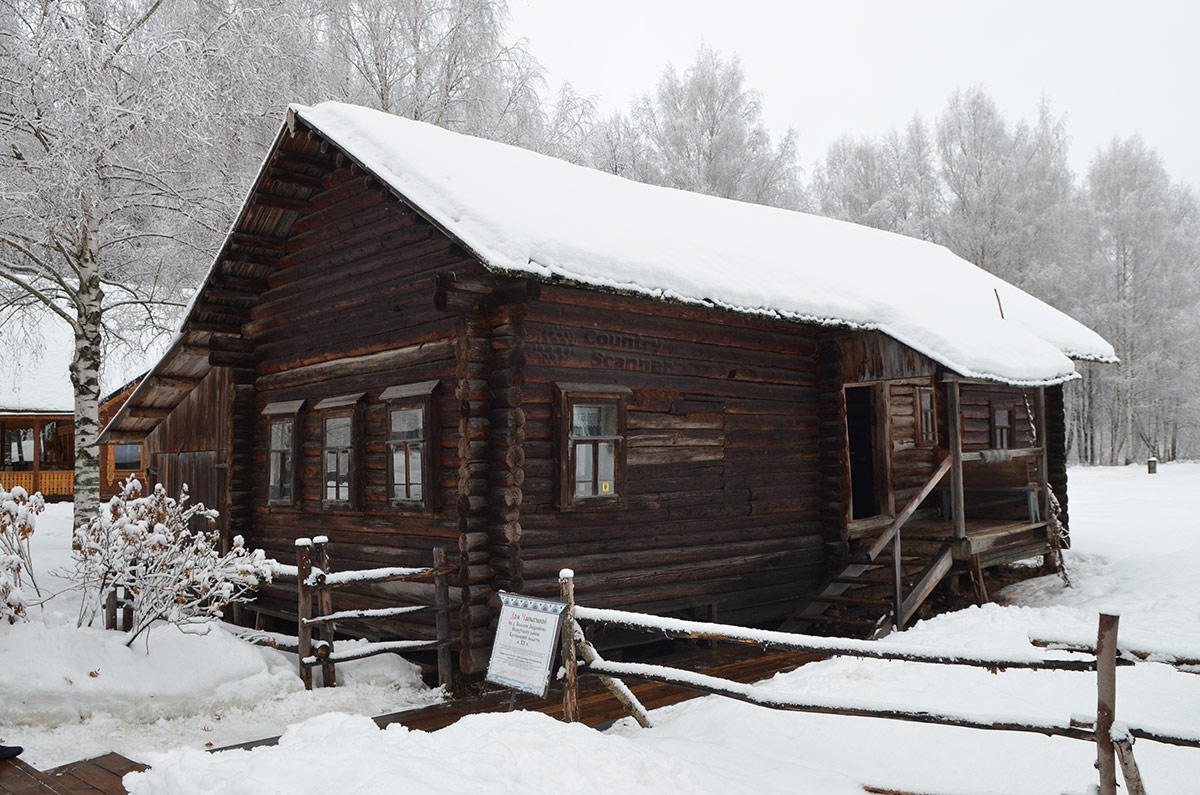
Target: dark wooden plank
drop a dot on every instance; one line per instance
(19, 778)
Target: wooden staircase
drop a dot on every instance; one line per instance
(859, 600)
(878, 588)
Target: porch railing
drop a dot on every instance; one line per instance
(51, 483)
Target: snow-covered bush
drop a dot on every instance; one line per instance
(171, 572)
(18, 517)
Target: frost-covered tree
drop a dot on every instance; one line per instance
(1147, 259)
(112, 194)
(439, 61)
(703, 131)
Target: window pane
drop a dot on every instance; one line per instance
(607, 466)
(593, 420)
(18, 447)
(331, 475)
(281, 435)
(583, 470)
(408, 424)
(344, 473)
(1002, 418)
(414, 465)
(337, 432)
(127, 456)
(399, 473)
(285, 476)
(276, 476)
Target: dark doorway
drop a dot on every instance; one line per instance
(860, 431)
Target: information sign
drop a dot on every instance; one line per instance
(526, 640)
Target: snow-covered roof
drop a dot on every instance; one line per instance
(41, 381)
(525, 213)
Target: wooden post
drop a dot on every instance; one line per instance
(441, 596)
(110, 609)
(898, 586)
(566, 590)
(37, 459)
(303, 608)
(620, 692)
(325, 607)
(127, 609)
(954, 416)
(1042, 434)
(1106, 701)
(1129, 768)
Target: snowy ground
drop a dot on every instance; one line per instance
(68, 694)
(1135, 546)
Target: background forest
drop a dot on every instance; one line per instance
(131, 131)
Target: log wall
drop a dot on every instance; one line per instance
(724, 461)
(348, 310)
(191, 446)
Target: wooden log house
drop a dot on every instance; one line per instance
(412, 339)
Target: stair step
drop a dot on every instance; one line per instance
(850, 623)
(852, 600)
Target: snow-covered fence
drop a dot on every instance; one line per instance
(314, 633)
(1114, 740)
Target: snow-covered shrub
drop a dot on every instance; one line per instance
(18, 517)
(172, 573)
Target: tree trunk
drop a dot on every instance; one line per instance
(85, 379)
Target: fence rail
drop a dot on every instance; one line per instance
(1114, 740)
(314, 640)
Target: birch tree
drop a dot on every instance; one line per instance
(106, 214)
(1147, 252)
(704, 132)
(439, 61)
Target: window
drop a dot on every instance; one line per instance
(280, 456)
(336, 449)
(594, 441)
(592, 446)
(18, 448)
(926, 416)
(406, 443)
(127, 456)
(1002, 421)
(281, 451)
(339, 454)
(410, 444)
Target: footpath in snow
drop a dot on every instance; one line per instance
(1135, 542)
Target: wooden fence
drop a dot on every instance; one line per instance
(314, 639)
(1114, 741)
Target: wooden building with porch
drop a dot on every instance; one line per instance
(37, 426)
(413, 338)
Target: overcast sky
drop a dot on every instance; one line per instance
(830, 68)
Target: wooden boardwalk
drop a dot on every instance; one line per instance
(100, 775)
(597, 708)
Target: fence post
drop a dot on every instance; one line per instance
(1106, 701)
(303, 608)
(441, 600)
(566, 590)
(127, 610)
(325, 607)
(110, 609)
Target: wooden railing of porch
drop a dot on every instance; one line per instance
(50, 482)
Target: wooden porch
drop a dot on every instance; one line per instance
(978, 508)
